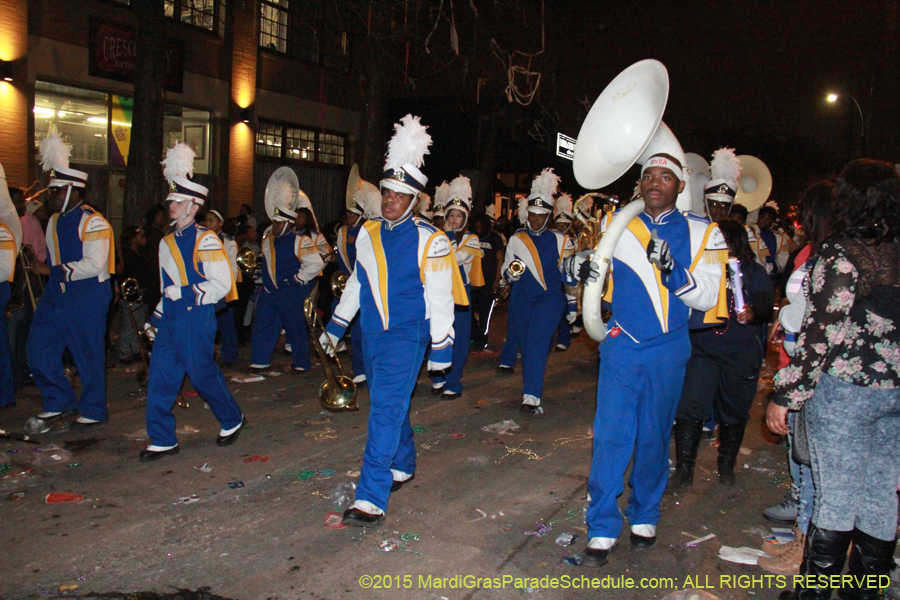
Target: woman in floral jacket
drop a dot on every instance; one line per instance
(847, 366)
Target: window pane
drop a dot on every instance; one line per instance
(191, 127)
(301, 144)
(331, 149)
(273, 25)
(268, 139)
(80, 117)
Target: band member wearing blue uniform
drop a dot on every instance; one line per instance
(10, 242)
(537, 298)
(195, 274)
(483, 298)
(228, 335)
(665, 264)
(467, 249)
(404, 286)
(362, 201)
(72, 312)
(562, 222)
(290, 262)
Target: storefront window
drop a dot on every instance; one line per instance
(80, 117)
(191, 127)
(300, 143)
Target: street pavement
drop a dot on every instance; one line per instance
(251, 525)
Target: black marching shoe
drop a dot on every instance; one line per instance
(148, 455)
(505, 370)
(227, 440)
(399, 484)
(357, 518)
(687, 441)
(730, 438)
(642, 542)
(451, 395)
(594, 557)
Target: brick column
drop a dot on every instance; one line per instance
(15, 113)
(245, 55)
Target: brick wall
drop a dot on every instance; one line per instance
(243, 96)
(14, 103)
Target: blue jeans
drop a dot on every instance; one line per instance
(802, 476)
(854, 443)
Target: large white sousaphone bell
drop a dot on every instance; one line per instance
(623, 127)
(273, 200)
(754, 184)
(699, 170)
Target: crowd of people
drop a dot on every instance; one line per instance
(690, 300)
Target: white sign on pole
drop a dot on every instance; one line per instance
(565, 146)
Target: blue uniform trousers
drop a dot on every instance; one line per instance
(185, 344)
(280, 309)
(564, 332)
(393, 359)
(228, 336)
(7, 382)
(510, 349)
(75, 320)
(462, 331)
(356, 342)
(536, 320)
(637, 396)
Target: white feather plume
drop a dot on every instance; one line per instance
(369, 198)
(442, 194)
(179, 162)
(285, 195)
(772, 204)
(585, 205)
(725, 165)
(491, 210)
(461, 188)
(523, 211)
(545, 184)
(409, 144)
(563, 204)
(54, 152)
(424, 203)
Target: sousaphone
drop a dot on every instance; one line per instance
(624, 126)
(275, 182)
(754, 184)
(699, 169)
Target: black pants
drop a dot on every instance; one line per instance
(481, 307)
(713, 387)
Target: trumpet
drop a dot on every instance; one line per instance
(132, 294)
(248, 262)
(338, 283)
(516, 267)
(338, 392)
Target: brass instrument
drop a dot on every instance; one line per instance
(132, 294)
(338, 283)
(28, 258)
(338, 392)
(247, 261)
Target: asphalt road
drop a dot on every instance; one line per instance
(483, 505)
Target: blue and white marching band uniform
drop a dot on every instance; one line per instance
(467, 249)
(228, 335)
(290, 262)
(404, 286)
(346, 255)
(72, 312)
(10, 242)
(195, 274)
(642, 362)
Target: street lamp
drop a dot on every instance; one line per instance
(862, 119)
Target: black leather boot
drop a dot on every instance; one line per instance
(730, 437)
(823, 556)
(687, 440)
(869, 557)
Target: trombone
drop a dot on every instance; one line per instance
(28, 258)
(338, 392)
(338, 283)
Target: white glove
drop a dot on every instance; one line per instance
(659, 254)
(438, 366)
(328, 342)
(172, 292)
(581, 268)
(150, 330)
(571, 317)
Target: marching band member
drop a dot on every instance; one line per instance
(10, 243)
(563, 223)
(72, 312)
(482, 301)
(720, 191)
(404, 286)
(537, 298)
(664, 265)
(225, 312)
(195, 275)
(310, 227)
(774, 245)
(440, 199)
(467, 249)
(290, 262)
(361, 204)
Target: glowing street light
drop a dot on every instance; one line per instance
(832, 97)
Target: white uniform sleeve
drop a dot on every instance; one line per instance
(8, 215)
(701, 289)
(310, 261)
(96, 241)
(216, 269)
(347, 308)
(439, 273)
(231, 250)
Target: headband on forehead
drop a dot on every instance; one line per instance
(666, 163)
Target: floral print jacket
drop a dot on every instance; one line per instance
(850, 330)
